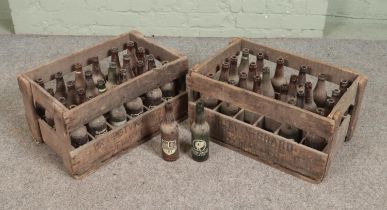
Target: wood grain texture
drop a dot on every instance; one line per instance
(346, 100)
(267, 147)
(29, 106)
(335, 74)
(277, 110)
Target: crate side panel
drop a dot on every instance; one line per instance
(346, 100)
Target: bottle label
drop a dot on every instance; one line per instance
(100, 132)
(199, 147)
(169, 147)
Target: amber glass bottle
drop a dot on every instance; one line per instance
(245, 60)
(91, 89)
(80, 81)
(233, 71)
(60, 90)
(169, 135)
(112, 76)
(302, 76)
(292, 88)
(209, 101)
(127, 65)
(267, 87)
(320, 92)
(329, 104)
(343, 86)
(96, 69)
(80, 97)
(251, 75)
(98, 126)
(200, 131)
(279, 79)
(140, 67)
(284, 93)
(224, 73)
(71, 93)
(131, 51)
(336, 95)
(309, 102)
(300, 98)
(260, 62)
(114, 57)
(257, 84)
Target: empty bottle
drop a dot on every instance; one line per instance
(141, 54)
(127, 65)
(224, 73)
(244, 65)
(243, 80)
(123, 76)
(96, 69)
(279, 79)
(309, 102)
(134, 107)
(71, 93)
(49, 117)
(292, 88)
(200, 131)
(257, 84)
(314, 141)
(284, 93)
(101, 86)
(111, 77)
(115, 58)
(250, 75)
(329, 104)
(320, 92)
(80, 97)
(140, 67)
(153, 98)
(228, 108)
(233, 71)
(79, 77)
(39, 108)
(260, 62)
(79, 136)
(60, 90)
(302, 76)
(117, 116)
(98, 126)
(343, 86)
(91, 90)
(131, 52)
(336, 95)
(168, 90)
(300, 98)
(169, 135)
(151, 62)
(288, 131)
(267, 87)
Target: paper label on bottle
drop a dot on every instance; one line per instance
(199, 147)
(169, 147)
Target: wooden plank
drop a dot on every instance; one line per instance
(96, 152)
(209, 66)
(339, 137)
(277, 110)
(335, 74)
(156, 49)
(87, 111)
(267, 147)
(357, 107)
(346, 100)
(29, 108)
(64, 64)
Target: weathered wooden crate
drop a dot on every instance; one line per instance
(269, 147)
(85, 159)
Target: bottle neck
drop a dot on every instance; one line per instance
(257, 86)
(259, 66)
(169, 118)
(60, 84)
(199, 119)
(279, 71)
(233, 68)
(320, 83)
(112, 75)
(251, 74)
(224, 75)
(308, 95)
(300, 101)
(266, 76)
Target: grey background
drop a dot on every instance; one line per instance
(33, 177)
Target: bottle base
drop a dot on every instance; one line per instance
(200, 159)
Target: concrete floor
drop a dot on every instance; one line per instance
(33, 177)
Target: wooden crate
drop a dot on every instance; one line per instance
(85, 159)
(269, 147)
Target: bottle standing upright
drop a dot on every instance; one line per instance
(169, 135)
(200, 132)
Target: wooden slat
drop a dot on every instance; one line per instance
(356, 109)
(267, 147)
(87, 111)
(335, 74)
(346, 100)
(94, 153)
(277, 110)
(339, 136)
(30, 113)
(209, 66)
(156, 49)
(64, 64)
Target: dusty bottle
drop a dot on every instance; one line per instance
(250, 75)
(60, 90)
(279, 79)
(79, 77)
(260, 62)
(134, 107)
(243, 80)
(141, 54)
(71, 93)
(151, 62)
(200, 131)
(314, 141)
(288, 131)
(79, 136)
(123, 76)
(127, 65)
(228, 108)
(233, 71)
(101, 86)
(292, 88)
(302, 76)
(96, 69)
(49, 117)
(39, 108)
(267, 87)
(131, 52)
(284, 93)
(320, 92)
(257, 84)
(169, 135)
(153, 98)
(343, 86)
(300, 98)
(114, 57)
(98, 126)
(245, 60)
(309, 102)
(209, 101)
(140, 67)
(80, 97)
(329, 104)
(336, 93)
(63, 101)
(168, 90)
(91, 90)
(111, 77)
(117, 116)
(224, 73)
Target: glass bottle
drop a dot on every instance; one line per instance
(224, 73)
(284, 93)
(111, 78)
(60, 90)
(96, 69)
(257, 84)
(279, 79)
(320, 92)
(309, 102)
(131, 52)
(79, 77)
(244, 65)
(292, 88)
(169, 135)
(91, 90)
(302, 76)
(209, 101)
(267, 87)
(123, 76)
(153, 98)
(79, 136)
(98, 126)
(243, 80)
(151, 62)
(260, 62)
(300, 98)
(233, 71)
(39, 108)
(49, 117)
(134, 107)
(336, 93)
(168, 90)
(343, 86)
(200, 131)
(314, 141)
(140, 67)
(101, 86)
(250, 75)
(114, 57)
(228, 108)
(80, 97)
(329, 104)
(288, 131)
(63, 101)
(127, 65)
(71, 93)
(117, 116)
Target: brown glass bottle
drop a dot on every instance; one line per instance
(224, 73)
(96, 69)
(309, 102)
(131, 52)
(79, 77)
(233, 71)
(336, 93)
(127, 65)
(314, 141)
(288, 131)
(134, 107)
(71, 93)
(98, 126)
(279, 79)
(114, 57)
(320, 92)
(343, 86)
(302, 76)
(329, 104)
(267, 87)
(257, 84)
(79, 136)
(60, 90)
(168, 90)
(228, 108)
(48, 116)
(243, 80)
(39, 108)
(141, 54)
(80, 97)
(169, 135)
(140, 67)
(250, 75)
(260, 62)
(200, 132)
(292, 88)
(153, 98)
(63, 101)
(123, 76)
(112, 76)
(284, 93)
(245, 60)
(300, 98)
(91, 90)
(151, 62)
(101, 86)
(117, 116)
